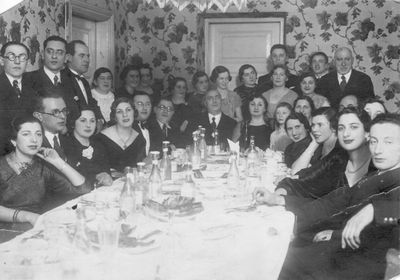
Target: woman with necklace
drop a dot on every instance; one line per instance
(30, 173)
(257, 125)
(344, 169)
(123, 145)
(82, 153)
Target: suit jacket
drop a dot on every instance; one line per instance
(65, 142)
(12, 106)
(157, 136)
(265, 83)
(225, 128)
(359, 84)
(76, 94)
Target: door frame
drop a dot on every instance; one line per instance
(104, 20)
(205, 20)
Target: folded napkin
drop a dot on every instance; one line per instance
(234, 147)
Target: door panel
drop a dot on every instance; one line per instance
(234, 42)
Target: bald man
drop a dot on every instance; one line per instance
(345, 80)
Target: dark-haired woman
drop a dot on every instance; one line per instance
(177, 90)
(247, 90)
(87, 158)
(304, 105)
(256, 126)
(298, 129)
(201, 83)
(30, 173)
(123, 145)
(102, 91)
(307, 86)
(130, 77)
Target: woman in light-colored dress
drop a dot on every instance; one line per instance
(279, 93)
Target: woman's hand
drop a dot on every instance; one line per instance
(50, 155)
(29, 217)
(264, 196)
(324, 235)
(104, 179)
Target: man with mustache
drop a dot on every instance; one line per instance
(78, 59)
(16, 96)
(344, 80)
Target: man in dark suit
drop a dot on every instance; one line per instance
(319, 65)
(50, 75)
(16, 97)
(345, 80)
(77, 55)
(160, 127)
(355, 226)
(142, 103)
(214, 119)
(51, 110)
(278, 56)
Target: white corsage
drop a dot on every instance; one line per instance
(88, 152)
(76, 98)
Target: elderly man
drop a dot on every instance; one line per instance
(345, 80)
(214, 119)
(352, 228)
(278, 56)
(16, 96)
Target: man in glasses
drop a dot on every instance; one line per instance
(51, 110)
(15, 95)
(160, 127)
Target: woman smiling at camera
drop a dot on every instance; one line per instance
(123, 145)
(83, 154)
(29, 174)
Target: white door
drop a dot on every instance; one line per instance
(232, 42)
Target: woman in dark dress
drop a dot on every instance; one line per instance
(201, 84)
(123, 145)
(130, 77)
(298, 129)
(177, 89)
(247, 90)
(31, 173)
(256, 126)
(87, 158)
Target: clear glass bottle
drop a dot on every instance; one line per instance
(203, 148)
(141, 186)
(216, 144)
(196, 155)
(252, 158)
(155, 191)
(189, 187)
(81, 240)
(127, 199)
(165, 165)
(233, 178)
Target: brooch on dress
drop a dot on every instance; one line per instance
(88, 152)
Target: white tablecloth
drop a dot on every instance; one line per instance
(214, 244)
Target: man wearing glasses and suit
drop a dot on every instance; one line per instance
(16, 96)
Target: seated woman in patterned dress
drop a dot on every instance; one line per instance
(31, 173)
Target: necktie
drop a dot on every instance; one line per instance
(213, 123)
(16, 88)
(165, 130)
(57, 147)
(143, 125)
(343, 83)
(56, 80)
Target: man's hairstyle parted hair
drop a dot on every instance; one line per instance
(70, 48)
(12, 43)
(318, 53)
(44, 93)
(386, 118)
(54, 38)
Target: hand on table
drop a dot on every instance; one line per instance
(264, 196)
(104, 179)
(354, 226)
(324, 235)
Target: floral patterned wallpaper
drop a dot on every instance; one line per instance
(170, 40)
(31, 22)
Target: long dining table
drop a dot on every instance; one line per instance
(230, 238)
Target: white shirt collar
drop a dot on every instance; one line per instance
(347, 76)
(161, 124)
(12, 79)
(51, 75)
(50, 137)
(217, 118)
